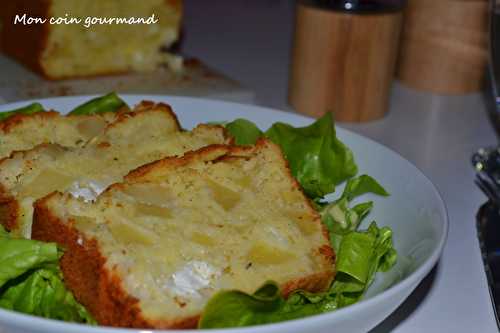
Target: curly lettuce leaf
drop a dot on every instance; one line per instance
(31, 282)
(339, 218)
(362, 254)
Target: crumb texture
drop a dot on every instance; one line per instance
(180, 229)
(23, 132)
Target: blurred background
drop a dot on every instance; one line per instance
(311, 56)
(264, 36)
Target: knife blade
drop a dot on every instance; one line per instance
(488, 233)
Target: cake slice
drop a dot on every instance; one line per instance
(86, 46)
(150, 251)
(22, 132)
(149, 133)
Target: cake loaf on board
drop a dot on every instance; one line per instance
(59, 51)
(151, 251)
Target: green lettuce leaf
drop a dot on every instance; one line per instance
(106, 103)
(317, 159)
(244, 309)
(3, 232)
(237, 309)
(360, 256)
(360, 185)
(28, 109)
(42, 293)
(244, 131)
(18, 255)
(31, 282)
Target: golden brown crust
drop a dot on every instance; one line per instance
(227, 137)
(150, 105)
(142, 107)
(84, 272)
(207, 153)
(313, 283)
(16, 120)
(24, 43)
(9, 205)
(9, 124)
(9, 210)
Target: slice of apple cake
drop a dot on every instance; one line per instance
(151, 250)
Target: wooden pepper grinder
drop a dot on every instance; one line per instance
(344, 56)
(444, 46)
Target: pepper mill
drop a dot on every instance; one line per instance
(344, 56)
(444, 46)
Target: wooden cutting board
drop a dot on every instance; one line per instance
(197, 80)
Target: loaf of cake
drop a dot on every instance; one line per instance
(150, 251)
(81, 48)
(22, 132)
(149, 133)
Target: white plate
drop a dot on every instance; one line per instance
(415, 212)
